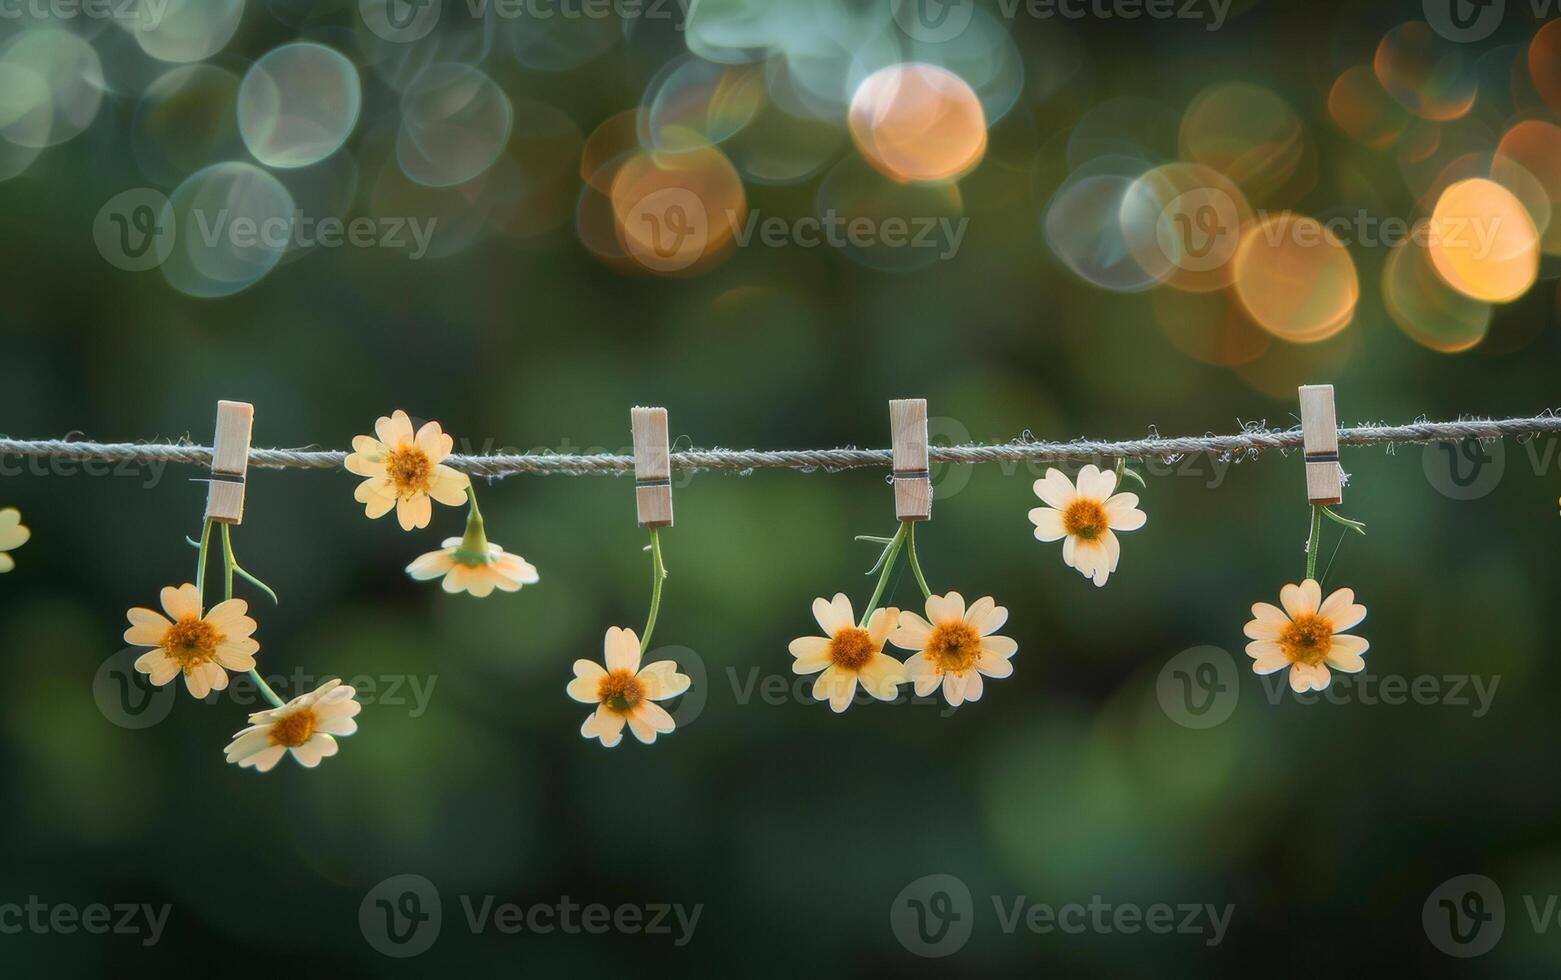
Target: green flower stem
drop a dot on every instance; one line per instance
(658, 574)
(1314, 541)
(889, 556)
(473, 549)
(910, 551)
(229, 564)
(200, 564)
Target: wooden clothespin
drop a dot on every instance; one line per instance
(1320, 445)
(652, 466)
(229, 462)
(912, 475)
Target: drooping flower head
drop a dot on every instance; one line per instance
(848, 654)
(1086, 516)
(306, 726)
(955, 647)
(202, 648)
(1307, 635)
(403, 471)
(478, 573)
(624, 692)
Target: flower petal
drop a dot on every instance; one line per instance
(431, 565)
(662, 680)
(810, 653)
(588, 677)
(946, 608)
(181, 602)
(449, 486)
(833, 615)
(1095, 482)
(836, 686)
(1347, 649)
(604, 724)
(1001, 647)
(881, 623)
(414, 511)
(912, 633)
(394, 429)
(1048, 523)
(1055, 489)
(1341, 610)
(1301, 600)
(434, 441)
(881, 676)
(622, 650)
(985, 616)
(1122, 513)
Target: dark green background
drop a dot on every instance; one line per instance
(1326, 825)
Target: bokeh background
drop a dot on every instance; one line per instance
(1064, 146)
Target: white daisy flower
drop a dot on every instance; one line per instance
(304, 726)
(1086, 516)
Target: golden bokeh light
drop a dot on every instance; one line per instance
(1250, 135)
(1544, 64)
(1426, 73)
(1535, 146)
(1482, 241)
(677, 213)
(918, 123)
(1295, 279)
(1430, 312)
(1362, 108)
(1183, 222)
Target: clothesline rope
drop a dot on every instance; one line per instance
(1252, 439)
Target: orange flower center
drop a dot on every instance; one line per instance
(1085, 519)
(851, 648)
(294, 730)
(409, 469)
(191, 642)
(954, 646)
(1307, 639)
(621, 691)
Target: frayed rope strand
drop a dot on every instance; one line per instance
(1252, 440)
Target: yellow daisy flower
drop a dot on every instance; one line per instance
(1307, 635)
(306, 726)
(479, 574)
(1086, 516)
(13, 534)
(955, 646)
(404, 471)
(847, 654)
(202, 648)
(624, 692)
